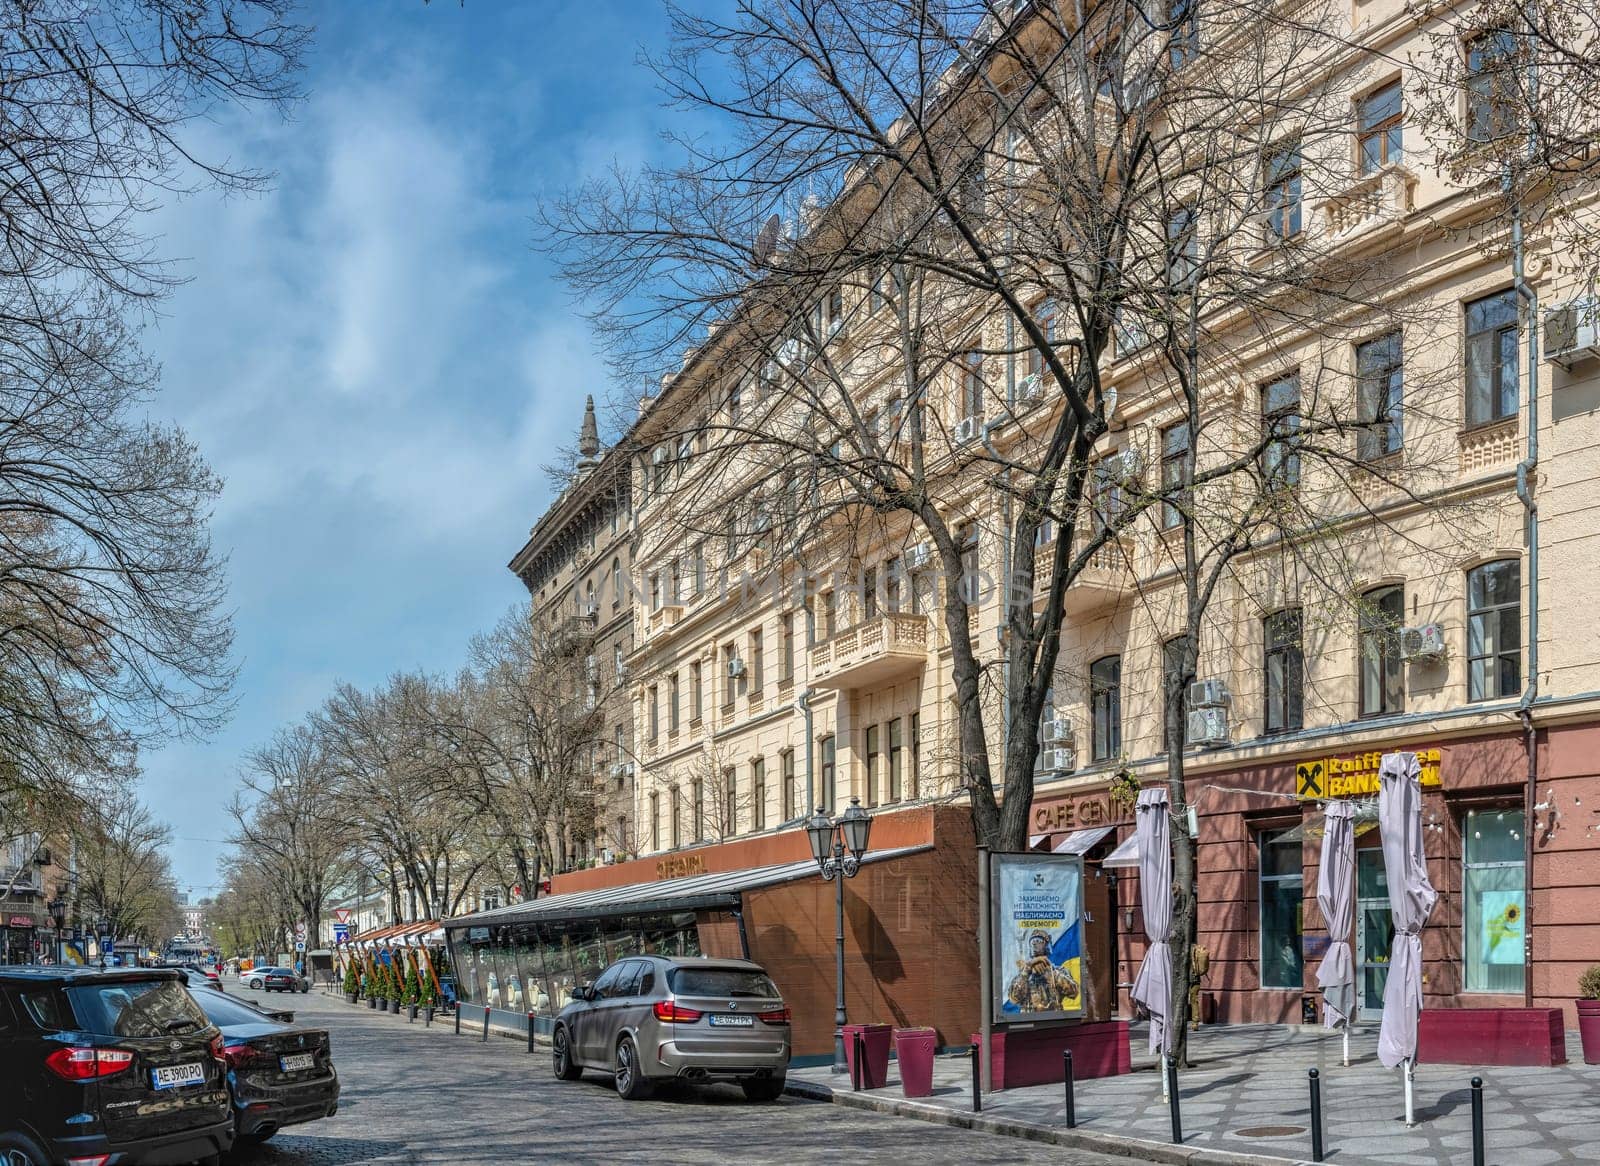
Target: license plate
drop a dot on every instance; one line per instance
(175, 1076)
(720, 1021)
(298, 1063)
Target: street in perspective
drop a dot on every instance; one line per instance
(976, 581)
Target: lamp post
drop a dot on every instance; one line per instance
(102, 928)
(58, 915)
(837, 845)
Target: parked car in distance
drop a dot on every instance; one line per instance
(284, 980)
(653, 1018)
(279, 1073)
(108, 1066)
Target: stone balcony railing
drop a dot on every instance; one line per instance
(662, 618)
(1105, 578)
(884, 646)
(1384, 197)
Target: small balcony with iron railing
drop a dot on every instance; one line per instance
(881, 647)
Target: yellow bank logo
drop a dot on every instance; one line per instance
(1355, 775)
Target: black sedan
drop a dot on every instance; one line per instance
(279, 1074)
(284, 980)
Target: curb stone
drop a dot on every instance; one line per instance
(1114, 1144)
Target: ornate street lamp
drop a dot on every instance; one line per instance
(102, 931)
(837, 845)
(58, 915)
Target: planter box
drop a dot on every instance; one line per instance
(1491, 1036)
(1032, 1056)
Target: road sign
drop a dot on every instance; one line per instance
(300, 929)
(299, 945)
(341, 933)
(341, 914)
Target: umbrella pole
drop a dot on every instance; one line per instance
(1347, 1044)
(1165, 1095)
(1410, 1071)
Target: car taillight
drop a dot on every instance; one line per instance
(216, 1045)
(774, 1016)
(87, 1064)
(671, 1012)
(238, 1056)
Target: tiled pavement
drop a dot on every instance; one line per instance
(1248, 1079)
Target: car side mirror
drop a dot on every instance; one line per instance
(584, 991)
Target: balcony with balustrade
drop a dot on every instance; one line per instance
(1107, 577)
(882, 647)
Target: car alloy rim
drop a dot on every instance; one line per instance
(16, 1158)
(561, 1049)
(625, 1065)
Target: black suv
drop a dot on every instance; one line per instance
(106, 1068)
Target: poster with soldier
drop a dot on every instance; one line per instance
(1038, 950)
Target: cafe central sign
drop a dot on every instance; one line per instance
(1354, 775)
(1091, 810)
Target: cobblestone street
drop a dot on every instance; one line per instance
(417, 1095)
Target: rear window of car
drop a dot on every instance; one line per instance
(48, 1008)
(221, 1010)
(730, 982)
(137, 1008)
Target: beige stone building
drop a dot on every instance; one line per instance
(774, 665)
(578, 567)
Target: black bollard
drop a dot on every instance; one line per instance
(530, 1032)
(1316, 1116)
(485, 1024)
(977, 1080)
(458, 1018)
(1477, 1121)
(1066, 1077)
(1172, 1099)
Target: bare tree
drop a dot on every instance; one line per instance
(124, 873)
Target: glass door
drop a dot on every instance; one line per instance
(1374, 932)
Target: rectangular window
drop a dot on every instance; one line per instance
(870, 751)
(972, 385)
(1285, 668)
(1282, 902)
(1281, 181)
(896, 749)
(1172, 680)
(757, 663)
(697, 569)
(1280, 422)
(1492, 367)
(893, 573)
(786, 664)
(1174, 472)
(729, 680)
(1380, 128)
(657, 591)
(830, 614)
(730, 801)
(1108, 498)
(696, 693)
(1105, 707)
(654, 712)
(1183, 248)
(1383, 684)
(829, 774)
(789, 808)
(916, 756)
(697, 792)
(735, 401)
(1380, 383)
(1494, 890)
(655, 821)
(1494, 630)
(675, 815)
(758, 794)
(1183, 31)
(672, 703)
(1045, 316)
(869, 593)
(1492, 81)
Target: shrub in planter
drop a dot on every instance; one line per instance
(352, 984)
(410, 993)
(1589, 1013)
(425, 998)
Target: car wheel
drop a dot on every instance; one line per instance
(631, 1083)
(566, 1069)
(19, 1150)
(763, 1088)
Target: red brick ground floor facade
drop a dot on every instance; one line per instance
(1259, 846)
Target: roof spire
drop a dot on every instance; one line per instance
(588, 438)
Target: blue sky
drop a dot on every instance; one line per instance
(374, 357)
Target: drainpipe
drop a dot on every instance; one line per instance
(803, 703)
(1005, 565)
(1525, 471)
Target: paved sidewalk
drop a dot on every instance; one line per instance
(1248, 1095)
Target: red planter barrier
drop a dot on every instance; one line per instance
(1491, 1036)
(913, 1048)
(875, 1038)
(1589, 1030)
(1032, 1056)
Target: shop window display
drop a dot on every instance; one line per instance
(1494, 889)
(1282, 902)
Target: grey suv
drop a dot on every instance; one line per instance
(649, 1018)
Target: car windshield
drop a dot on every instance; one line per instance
(731, 982)
(138, 1008)
(222, 1011)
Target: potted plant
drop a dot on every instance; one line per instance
(352, 984)
(425, 997)
(369, 986)
(391, 989)
(412, 993)
(382, 988)
(1589, 1013)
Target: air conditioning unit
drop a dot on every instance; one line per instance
(1422, 643)
(965, 430)
(918, 556)
(1058, 759)
(1209, 694)
(1572, 332)
(1058, 731)
(1208, 727)
(591, 610)
(622, 769)
(1030, 389)
(735, 667)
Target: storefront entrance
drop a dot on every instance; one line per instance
(1374, 932)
